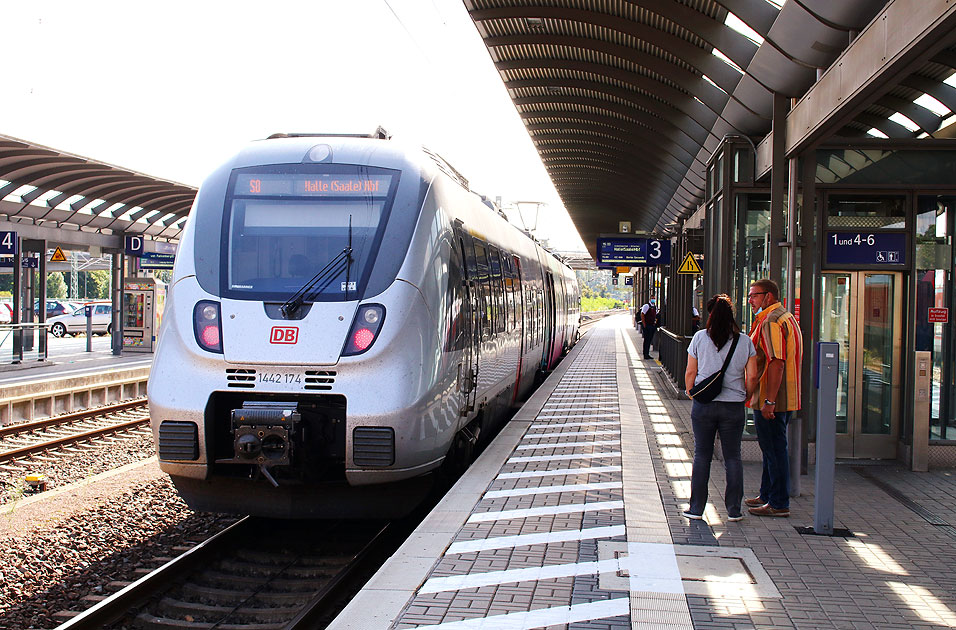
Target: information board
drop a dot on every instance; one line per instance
(633, 252)
(871, 249)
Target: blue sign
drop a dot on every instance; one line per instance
(633, 252)
(134, 245)
(8, 243)
(877, 249)
(628, 280)
(155, 260)
(27, 262)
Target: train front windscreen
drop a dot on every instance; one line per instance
(291, 225)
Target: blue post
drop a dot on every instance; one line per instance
(827, 372)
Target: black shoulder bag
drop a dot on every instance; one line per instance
(709, 388)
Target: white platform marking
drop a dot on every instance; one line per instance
(560, 471)
(542, 617)
(509, 542)
(548, 458)
(550, 510)
(596, 423)
(538, 447)
(580, 487)
(571, 434)
(510, 576)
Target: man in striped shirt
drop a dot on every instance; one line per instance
(777, 338)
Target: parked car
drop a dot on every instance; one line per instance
(54, 307)
(75, 322)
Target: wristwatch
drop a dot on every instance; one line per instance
(769, 402)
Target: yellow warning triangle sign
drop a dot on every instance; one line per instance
(58, 256)
(689, 265)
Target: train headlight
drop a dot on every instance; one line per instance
(365, 328)
(207, 326)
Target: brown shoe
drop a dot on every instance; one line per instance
(766, 510)
(755, 502)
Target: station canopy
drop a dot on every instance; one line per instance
(43, 186)
(626, 100)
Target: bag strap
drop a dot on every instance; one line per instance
(730, 354)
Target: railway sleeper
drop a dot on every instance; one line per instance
(209, 594)
(228, 581)
(267, 568)
(149, 622)
(205, 612)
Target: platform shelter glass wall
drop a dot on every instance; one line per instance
(909, 187)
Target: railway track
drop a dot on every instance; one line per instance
(22, 440)
(258, 573)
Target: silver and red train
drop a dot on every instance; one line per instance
(345, 318)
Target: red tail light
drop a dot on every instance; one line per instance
(207, 326)
(365, 328)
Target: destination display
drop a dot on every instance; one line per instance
(310, 185)
(633, 252)
(877, 249)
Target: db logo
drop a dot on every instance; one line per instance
(284, 334)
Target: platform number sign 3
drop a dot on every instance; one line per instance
(8, 243)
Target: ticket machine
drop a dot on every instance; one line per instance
(143, 303)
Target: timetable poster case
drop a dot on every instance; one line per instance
(143, 302)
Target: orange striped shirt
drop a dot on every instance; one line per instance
(776, 335)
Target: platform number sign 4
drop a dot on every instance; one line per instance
(8, 243)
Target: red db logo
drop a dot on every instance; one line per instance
(284, 334)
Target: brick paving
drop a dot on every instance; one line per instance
(897, 571)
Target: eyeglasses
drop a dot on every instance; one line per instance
(756, 293)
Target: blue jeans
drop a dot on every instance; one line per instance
(772, 437)
(726, 418)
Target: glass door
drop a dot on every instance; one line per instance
(861, 311)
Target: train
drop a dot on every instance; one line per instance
(345, 322)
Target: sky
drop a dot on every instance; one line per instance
(173, 89)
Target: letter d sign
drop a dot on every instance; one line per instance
(134, 245)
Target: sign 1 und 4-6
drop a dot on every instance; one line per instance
(866, 248)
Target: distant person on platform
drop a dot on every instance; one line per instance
(776, 336)
(695, 319)
(649, 325)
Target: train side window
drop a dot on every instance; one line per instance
(484, 282)
(516, 291)
(497, 289)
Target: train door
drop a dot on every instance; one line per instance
(861, 310)
(548, 319)
(517, 293)
(468, 372)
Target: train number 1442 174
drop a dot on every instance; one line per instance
(279, 377)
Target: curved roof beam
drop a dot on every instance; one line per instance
(673, 131)
(683, 101)
(650, 187)
(575, 104)
(697, 130)
(636, 161)
(581, 184)
(713, 94)
(702, 60)
(925, 119)
(680, 154)
(612, 145)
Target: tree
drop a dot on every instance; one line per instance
(99, 287)
(55, 285)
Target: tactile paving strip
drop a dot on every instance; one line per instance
(528, 555)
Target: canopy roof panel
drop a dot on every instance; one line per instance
(627, 99)
(50, 186)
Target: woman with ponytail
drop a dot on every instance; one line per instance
(719, 346)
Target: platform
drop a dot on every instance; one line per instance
(70, 379)
(571, 519)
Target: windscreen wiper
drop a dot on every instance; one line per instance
(328, 273)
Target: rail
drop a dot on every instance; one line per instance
(23, 341)
(673, 354)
